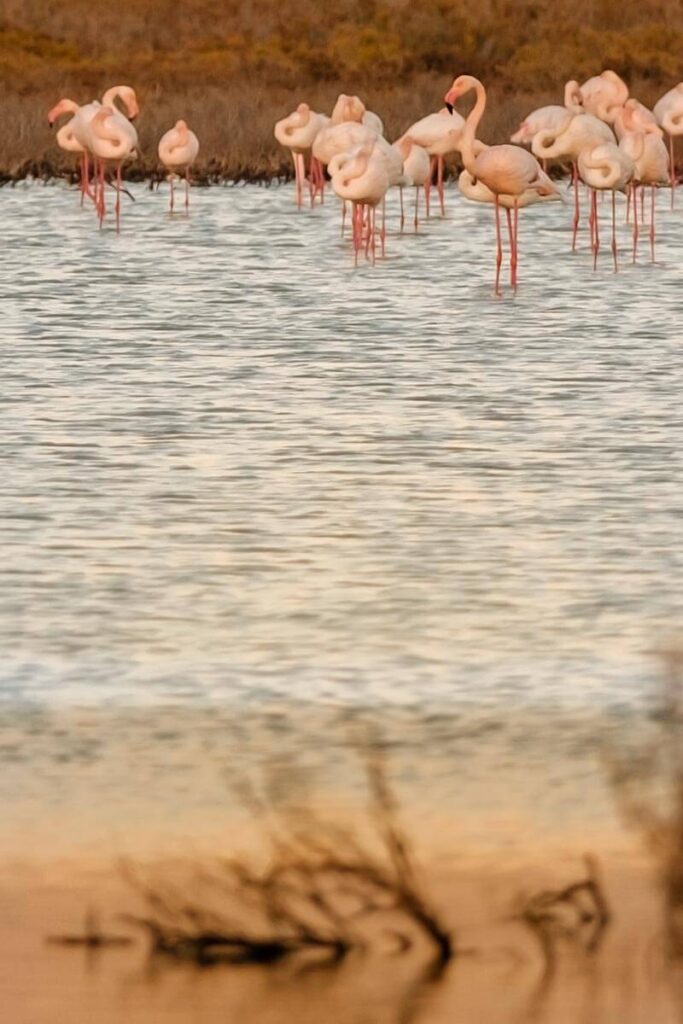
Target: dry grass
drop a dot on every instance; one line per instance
(232, 68)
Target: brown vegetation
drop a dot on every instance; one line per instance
(233, 68)
(324, 893)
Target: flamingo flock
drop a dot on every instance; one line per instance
(102, 135)
(612, 141)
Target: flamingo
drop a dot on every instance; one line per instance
(67, 141)
(352, 108)
(603, 95)
(417, 170)
(476, 191)
(604, 167)
(111, 138)
(581, 131)
(505, 170)
(178, 150)
(634, 116)
(554, 118)
(669, 113)
(360, 176)
(297, 132)
(439, 134)
(82, 119)
(649, 154)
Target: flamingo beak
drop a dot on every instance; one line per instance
(449, 107)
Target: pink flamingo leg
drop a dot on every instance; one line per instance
(417, 207)
(383, 234)
(511, 237)
(673, 169)
(577, 209)
(499, 250)
(428, 185)
(642, 206)
(636, 232)
(596, 230)
(514, 259)
(615, 253)
(172, 201)
(187, 191)
(652, 225)
(439, 184)
(403, 216)
(118, 199)
(628, 204)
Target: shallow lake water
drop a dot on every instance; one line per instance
(238, 470)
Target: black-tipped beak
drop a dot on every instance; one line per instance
(449, 107)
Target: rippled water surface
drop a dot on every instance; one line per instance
(235, 466)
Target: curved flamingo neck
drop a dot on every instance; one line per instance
(475, 115)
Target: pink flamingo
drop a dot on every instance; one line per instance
(649, 154)
(417, 171)
(604, 167)
(352, 108)
(439, 134)
(669, 113)
(297, 132)
(361, 177)
(553, 118)
(178, 150)
(604, 95)
(582, 130)
(67, 141)
(505, 170)
(82, 119)
(112, 138)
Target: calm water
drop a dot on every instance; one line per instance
(238, 470)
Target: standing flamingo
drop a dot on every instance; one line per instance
(112, 138)
(634, 116)
(82, 120)
(669, 113)
(297, 132)
(67, 141)
(178, 150)
(649, 154)
(603, 95)
(505, 170)
(604, 167)
(352, 108)
(417, 171)
(582, 130)
(439, 134)
(361, 177)
(554, 118)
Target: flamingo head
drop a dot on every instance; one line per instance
(63, 107)
(181, 126)
(522, 134)
(459, 87)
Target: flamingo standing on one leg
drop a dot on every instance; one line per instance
(581, 131)
(178, 150)
(67, 141)
(297, 132)
(605, 167)
(669, 113)
(505, 170)
(113, 139)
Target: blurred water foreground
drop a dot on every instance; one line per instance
(307, 864)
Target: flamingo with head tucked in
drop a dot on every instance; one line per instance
(604, 95)
(352, 108)
(505, 170)
(669, 113)
(297, 132)
(604, 167)
(178, 150)
(112, 139)
(360, 177)
(554, 117)
(650, 158)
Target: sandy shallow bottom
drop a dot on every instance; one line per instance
(498, 974)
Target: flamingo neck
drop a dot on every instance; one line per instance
(475, 115)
